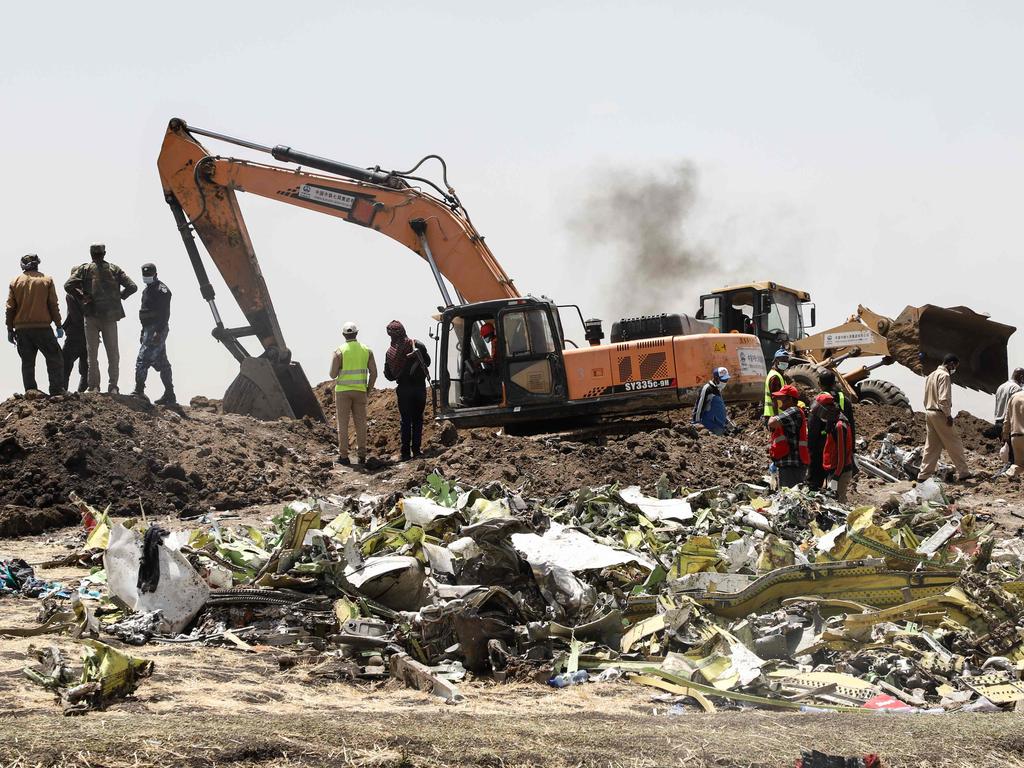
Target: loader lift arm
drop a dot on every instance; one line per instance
(200, 189)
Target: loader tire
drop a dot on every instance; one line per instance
(879, 392)
(805, 377)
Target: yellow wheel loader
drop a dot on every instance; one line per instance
(918, 338)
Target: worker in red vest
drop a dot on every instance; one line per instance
(837, 453)
(788, 447)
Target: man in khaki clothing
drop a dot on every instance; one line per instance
(938, 406)
(1013, 430)
(31, 308)
(101, 287)
(354, 372)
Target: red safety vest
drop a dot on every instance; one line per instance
(838, 454)
(781, 444)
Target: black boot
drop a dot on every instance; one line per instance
(140, 388)
(168, 396)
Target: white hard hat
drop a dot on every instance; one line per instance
(350, 328)
(722, 373)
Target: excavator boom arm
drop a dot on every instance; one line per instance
(200, 189)
(457, 250)
(204, 187)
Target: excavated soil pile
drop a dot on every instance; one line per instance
(874, 421)
(639, 450)
(119, 451)
(633, 453)
(642, 450)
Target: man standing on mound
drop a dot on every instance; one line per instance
(354, 372)
(101, 287)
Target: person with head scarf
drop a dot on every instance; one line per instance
(408, 364)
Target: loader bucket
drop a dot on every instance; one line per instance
(921, 336)
(267, 391)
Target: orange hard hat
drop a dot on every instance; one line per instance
(487, 329)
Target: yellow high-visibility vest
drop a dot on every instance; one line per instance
(355, 371)
(769, 403)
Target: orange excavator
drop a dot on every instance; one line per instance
(502, 358)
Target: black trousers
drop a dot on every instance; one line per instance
(74, 349)
(790, 477)
(33, 340)
(152, 354)
(815, 474)
(412, 401)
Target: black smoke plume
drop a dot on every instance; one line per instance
(641, 220)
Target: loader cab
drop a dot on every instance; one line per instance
(506, 378)
(772, 312)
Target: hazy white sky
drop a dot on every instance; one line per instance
(870, 153)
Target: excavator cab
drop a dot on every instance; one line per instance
(769, 311)
(488, 379)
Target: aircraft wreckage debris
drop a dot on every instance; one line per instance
(720, 598)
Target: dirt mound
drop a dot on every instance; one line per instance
(874, 421)
(632, 450)
(641, 450)
(120, 451)
(383, 421)
(21, 521)
(126, 453)
(632, 453)
(638, 450)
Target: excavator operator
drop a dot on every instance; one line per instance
(483, 383)
(491, 339)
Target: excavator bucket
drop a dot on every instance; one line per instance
(921, 336)
(267, 391)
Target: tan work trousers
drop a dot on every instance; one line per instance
(95, 327)
(1017, 445)
(351, 403)
(941, 435)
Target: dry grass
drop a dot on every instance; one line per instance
(437, 737)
